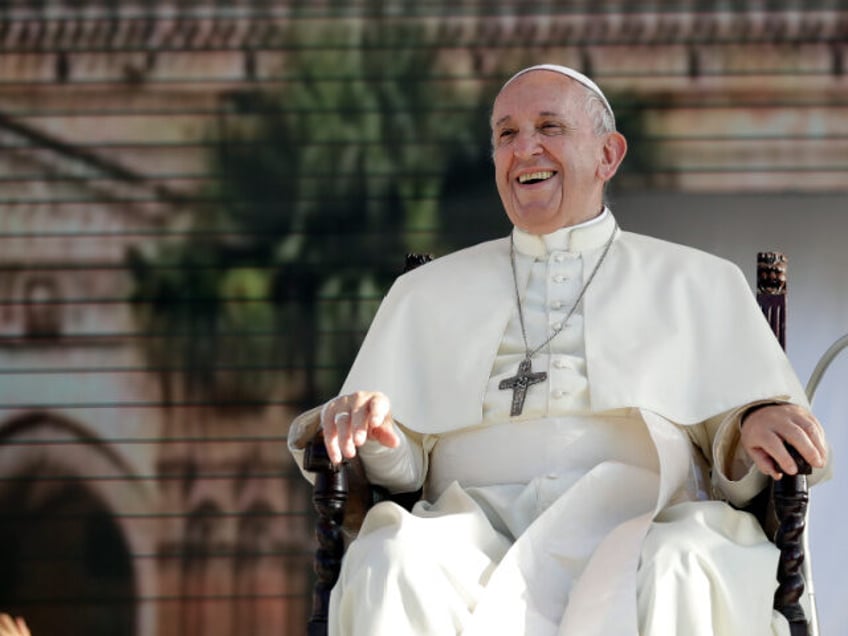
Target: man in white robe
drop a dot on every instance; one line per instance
(584, 495)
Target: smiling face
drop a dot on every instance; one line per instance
(550, 164)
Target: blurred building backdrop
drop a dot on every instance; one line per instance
(202, 202)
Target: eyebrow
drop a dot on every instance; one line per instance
(543, 113)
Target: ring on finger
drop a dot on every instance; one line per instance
(339, 417)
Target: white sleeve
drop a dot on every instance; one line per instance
(401, 469)
(734, 474)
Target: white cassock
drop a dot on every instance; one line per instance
(548, 523)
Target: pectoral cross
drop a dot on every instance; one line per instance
(519, 384)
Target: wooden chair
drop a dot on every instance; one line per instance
(342, 496)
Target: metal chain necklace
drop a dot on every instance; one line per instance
(525, 377)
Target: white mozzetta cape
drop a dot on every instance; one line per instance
(668, 329)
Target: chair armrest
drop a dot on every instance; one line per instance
(345, 484)
(341, 497)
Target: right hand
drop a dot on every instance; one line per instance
(350, 420)
(765, 430)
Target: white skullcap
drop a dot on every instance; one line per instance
(577, 76)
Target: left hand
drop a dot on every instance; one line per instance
(765, 430)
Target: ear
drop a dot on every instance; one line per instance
(614, 149)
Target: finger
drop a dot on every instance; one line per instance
(331, 434)
(10, 626)
(368, 417)
(22, 626)
(801, 436)
(382, 426)
(386, 435)
(360, 417)
(764, 463)
(808, 423)
(378, 408)
(334, 452)
(772, 444)
(342, 421)
(816, 433)
(380, 419)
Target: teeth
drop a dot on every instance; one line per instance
(540, 175)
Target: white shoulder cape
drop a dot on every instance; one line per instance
(668, 329)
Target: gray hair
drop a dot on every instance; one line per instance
(602, 119)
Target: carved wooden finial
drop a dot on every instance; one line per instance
(415, 259)
(771, 273)
(771, 291)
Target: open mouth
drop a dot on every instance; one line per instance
(535, 177)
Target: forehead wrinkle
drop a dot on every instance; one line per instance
(551, 113)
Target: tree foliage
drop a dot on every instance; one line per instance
(322, 187)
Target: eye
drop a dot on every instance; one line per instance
(551, 128)
(503, 137)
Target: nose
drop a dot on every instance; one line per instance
(526, 144)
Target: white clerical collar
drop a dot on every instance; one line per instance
(575, 238)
